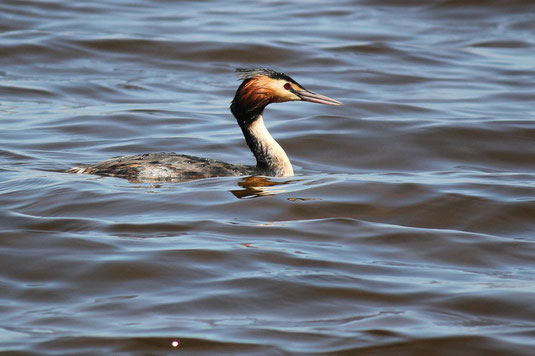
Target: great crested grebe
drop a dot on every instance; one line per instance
(259, 88)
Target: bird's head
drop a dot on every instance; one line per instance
(261, 87)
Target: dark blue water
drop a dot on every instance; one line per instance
(408, 229)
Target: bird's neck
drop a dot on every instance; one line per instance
(270, 157)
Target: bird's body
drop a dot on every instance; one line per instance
(259, 88)
(161, 167)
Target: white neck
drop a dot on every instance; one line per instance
(270, 156)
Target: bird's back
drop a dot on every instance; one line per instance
(157, 167)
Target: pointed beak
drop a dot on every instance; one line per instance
(306, 95)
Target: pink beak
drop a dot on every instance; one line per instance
(306, 95)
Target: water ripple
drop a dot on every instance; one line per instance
(407, 229)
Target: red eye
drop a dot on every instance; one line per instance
(287, 86)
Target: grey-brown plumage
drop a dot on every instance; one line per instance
(161, 167)
(260, 87)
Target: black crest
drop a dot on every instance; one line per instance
(248, 73)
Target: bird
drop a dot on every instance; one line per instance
(259, 88)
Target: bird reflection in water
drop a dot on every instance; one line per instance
(257, 186)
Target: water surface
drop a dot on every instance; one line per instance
(408, 228)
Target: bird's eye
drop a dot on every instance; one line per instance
(287, 86)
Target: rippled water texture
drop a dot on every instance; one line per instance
(408, 229)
